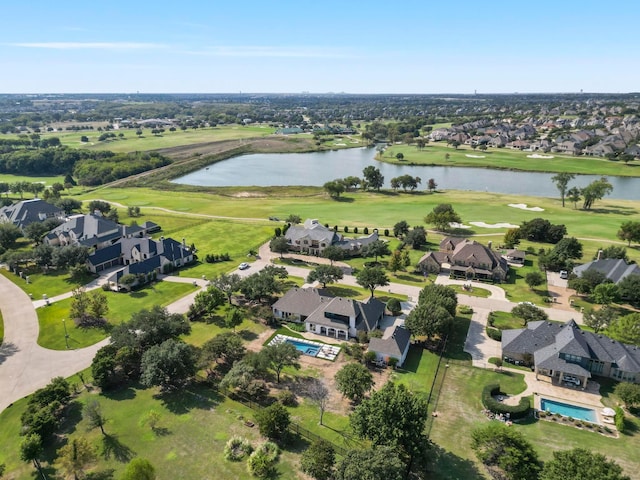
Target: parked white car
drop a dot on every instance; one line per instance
(243, 266)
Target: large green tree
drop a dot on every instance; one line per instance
(279, 245)
(372, 178)
(353, 381)
(596, 190)
(562, 180)
(628, 393)
(626, 329)
(226, 347)
(318, 460)
(377, 463)
(442, 216)
(169, 365)
(333, 253)
(629, 289)
(629, 232)
(227, 283)
(205, 303)
(75, 457)
(500, 447)
(428, 319)
(30, 451)
(325, 274)
(139, 469)
(377, 248)
(529, 313)
(273, 421)
(581, 464)
(281, 355)
(599, 319)
(372, 278)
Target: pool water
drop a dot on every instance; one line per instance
(567, 410)
(305, 348)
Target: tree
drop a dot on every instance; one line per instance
(377, 248)
(581, 464)
(334, 188)
(377, 463)
(273, 421)
(333, 253)
(392, 416)
(606, 294)
(431, 185)
(264, 283)
(629, 232)
(562, 255)
(628, 393)
(35, 231)
(139, 469)
(205, 303)
(318, 393)
(442, 216)
(440, 295)
(400, 156)
(417, 238)
(599, 319)
(279, 245)
(562, 181)
(281, 355)
(372, 278)
(541, 230)
(325, 274)
(529, 313)
(353, 381)
(30, 451)
(9, 233)
(98, 305)
(75, 457)
(396, 262)
(317, 461)
(100, 206)
(227, 284)
(128, 280)
(79, 306)
(629, 288)
(225, 346)
(626, 329)
(574, 195)
(233, 319)
(372, 178)
(596, 190)
(511, 237)
(169, 365)
(506, 449)
(69, 205)
(429, 319)
(400, 228)
(95, 418)
(534, 279)
(612, 251)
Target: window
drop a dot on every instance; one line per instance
(572, 358)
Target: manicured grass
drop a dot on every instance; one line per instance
(477, 291)
(516, 288)
(359, 293)
(195, 423)
(47, 181)
(52, 283)
(504, 158)
(505, 321)
(121, 307)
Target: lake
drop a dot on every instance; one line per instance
(316, 168)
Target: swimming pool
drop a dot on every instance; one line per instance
(305, 348)
(568, 410)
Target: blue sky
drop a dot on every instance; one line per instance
(329, 46)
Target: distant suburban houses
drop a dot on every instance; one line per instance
(312, 237)
(22, 214)
(564, 351)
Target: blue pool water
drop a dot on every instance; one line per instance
(305, 348)
(567, 410)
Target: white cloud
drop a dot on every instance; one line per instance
(270, 51)
(89, 45)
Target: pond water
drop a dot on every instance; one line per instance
(316, 168)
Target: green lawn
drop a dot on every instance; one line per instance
(121, 306)
(506, 321)
(51, 283)
(507, 159)
(516, 288)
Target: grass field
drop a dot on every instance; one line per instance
(121, 306)
(504, 158)
(52, 283)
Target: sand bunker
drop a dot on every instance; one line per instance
(458, 225)
(523, 206)
(493, 225)
(537, 155)
(474, 156)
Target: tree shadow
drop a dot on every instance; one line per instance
(344, 199)
(138, 294)
(184, 400)
(72, 417)
(126, 392)
(616, 211)
(247, 335)
(112, 447)
(161, 431)
(451, 466)
(101, 475)
(344, 292)
(6, 350)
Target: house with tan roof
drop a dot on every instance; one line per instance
(467, 259)
(312, 237)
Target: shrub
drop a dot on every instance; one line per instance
(260, 463)
(287, 398)
(296, 327)
(467, 310)
(366, 230)
(619, 419)
(363, 337)
(236, 448)
(386, 232)
(392, 362)
(346, 229)
(515, 411)
(393, 305)
(494, 333)
(355, 229)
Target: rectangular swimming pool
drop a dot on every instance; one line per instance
(568, 410)
(305, 348)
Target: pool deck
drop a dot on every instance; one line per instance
(325, 351)
(537, 400)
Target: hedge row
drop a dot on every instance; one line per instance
(515, 411)
(494, 333)
(619, 419)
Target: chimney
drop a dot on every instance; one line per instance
(489, 243)
(599, 257)
(184, 242)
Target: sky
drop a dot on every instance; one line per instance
(284, 46)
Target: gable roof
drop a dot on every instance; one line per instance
(312, 230)
(395, 343)
(303, 301)
(26, 212)
(614, 269)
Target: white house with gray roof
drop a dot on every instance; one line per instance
(395, 343)
(614, 269)
(559, 350)
(324, 314)
(26, 212)
(312, 237)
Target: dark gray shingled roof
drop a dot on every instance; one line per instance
(394, 344)
(614, 269)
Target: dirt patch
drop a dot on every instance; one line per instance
(248, 195)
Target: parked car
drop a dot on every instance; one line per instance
(564, 274)
(571, 379)
(243, 266)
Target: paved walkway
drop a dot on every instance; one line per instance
(24, 365)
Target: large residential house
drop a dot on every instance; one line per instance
(312, 237)
(467, 259)
(614, 269)
(564, 350)
(143, 257)
(26, 212)
(93, 230)
(395, 343)
(325, 314)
